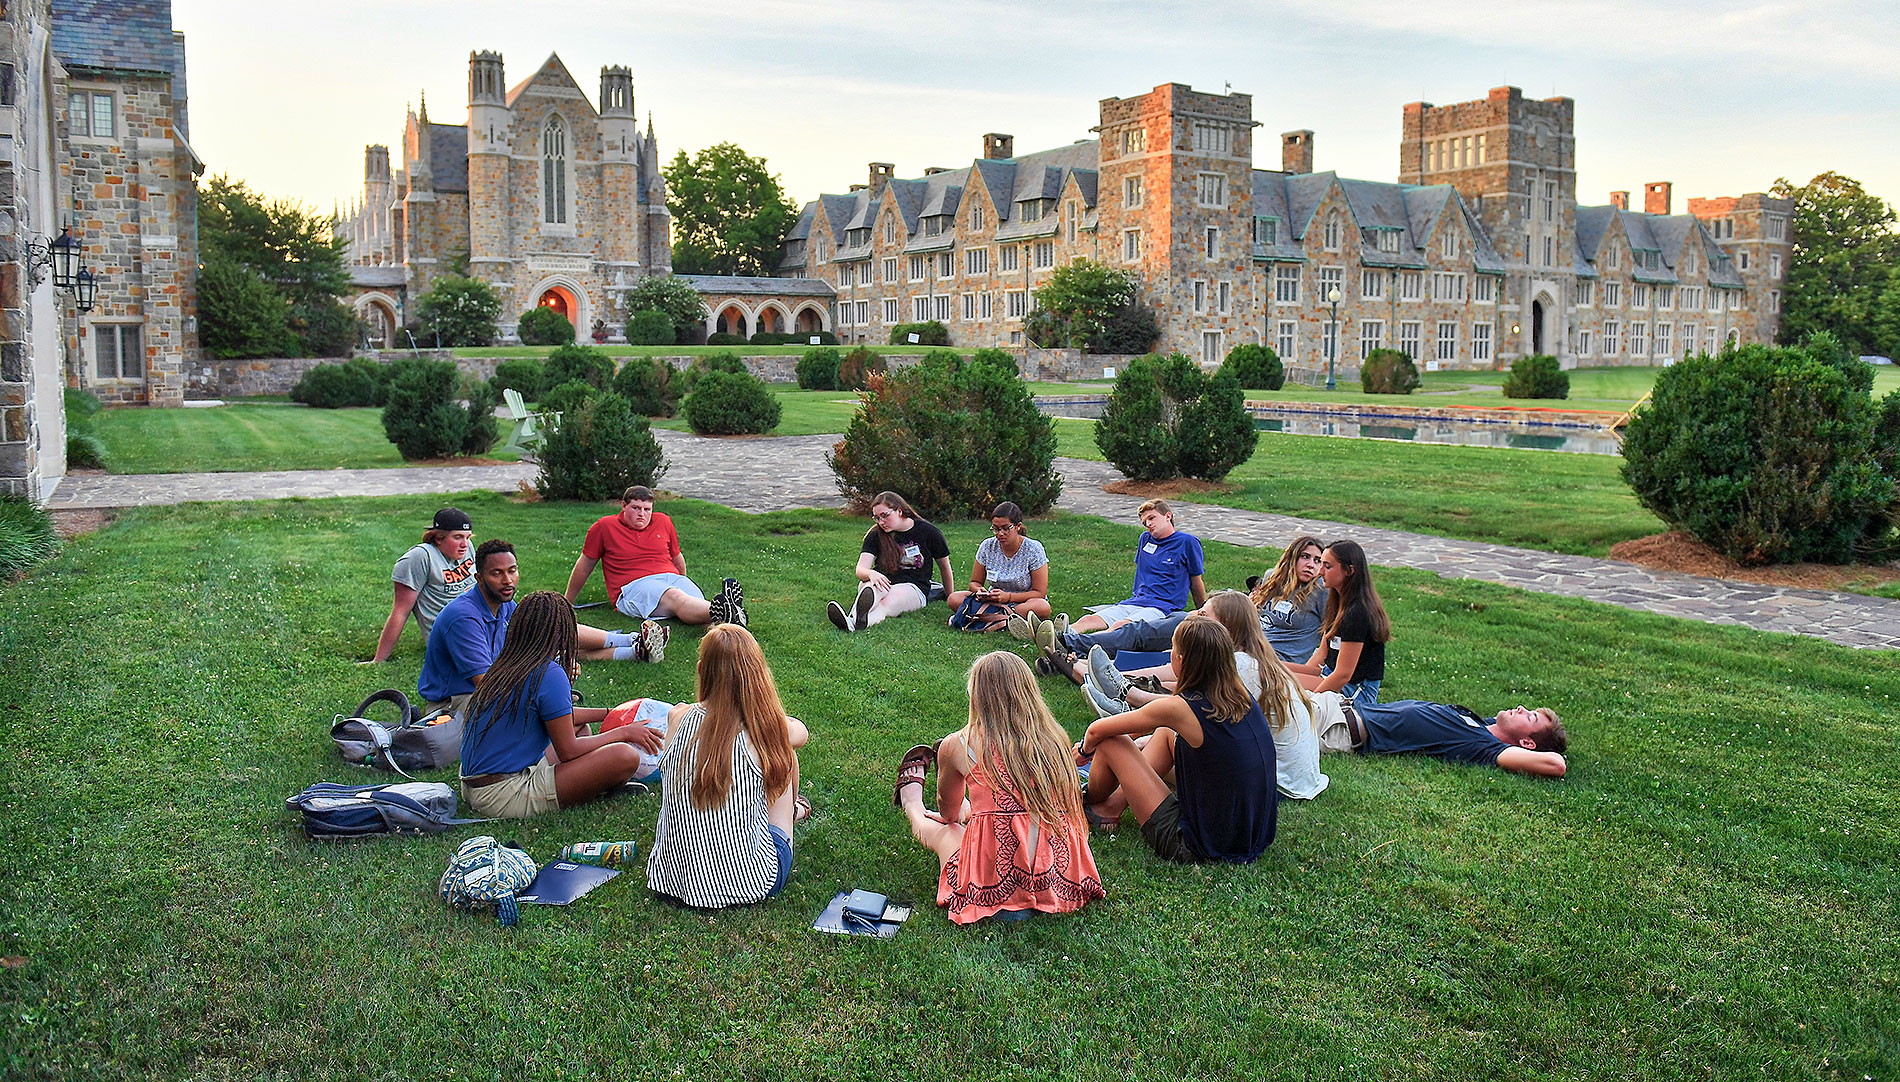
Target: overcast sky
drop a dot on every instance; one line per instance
(1720, 98)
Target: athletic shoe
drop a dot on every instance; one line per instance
(1106, 675)
(836, 612)
(1046, 634)
(718, 611)
(1105, 705)
(653, 639)
(734, 596)
(1062, 624)
(1034, 622)
(1019, 628)
(861, 611)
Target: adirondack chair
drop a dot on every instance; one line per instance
(528, 434)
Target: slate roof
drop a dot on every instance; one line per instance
(448, 156)
(711, 284)
(114, 35)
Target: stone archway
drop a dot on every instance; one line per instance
(773, 318)
(810, 318)
(565, 295)
(378, 312)
(732, 318)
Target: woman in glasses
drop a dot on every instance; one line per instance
(1011, 576)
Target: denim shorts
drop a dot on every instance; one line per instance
(782, 842)
(640, 598)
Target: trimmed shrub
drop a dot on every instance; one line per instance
(650, 387)
(825, 338)
(676, 297)
(584, 363)
(1769, 455)
(1168, 419)
(649, 327)
(423, 418)
(526, 374)
(931, 333)
(597, 451)
(26, 536)
(568, 397)
(774, 338)
(818, 369)
(1537, 376)
(1255, 367)
(1388, 371)
(84, 451)
(359, 382)
(956, 438)
(458, 311)
(1132, 329)
(857, 368)
(543, 326)
(730, 404)
(711, 362)
(722, 338)
(1001, 359)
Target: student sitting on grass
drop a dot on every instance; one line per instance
(1020, 843)
(1292, 600)
(1167, 574)
(1522, 740)
(1350, 657)
(1283, 702)
(526, 750)
(728, 783)
(428, 577)
(894, 565)
(1010, 580)
(638, 552)
(1211, 737)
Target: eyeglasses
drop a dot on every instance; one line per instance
(882, 515)
(1003, 529)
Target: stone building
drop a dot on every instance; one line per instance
(1478, 255)
(128, 183)
(1754, 230)
(92, 137)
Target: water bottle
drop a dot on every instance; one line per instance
(602, 854)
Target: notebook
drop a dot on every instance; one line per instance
(563, 881)
(836, 920)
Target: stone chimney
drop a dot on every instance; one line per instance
(880, 176)
(933, 170)
(998, 145)
(1296, 151)
(1656, 197)
(1620, 200)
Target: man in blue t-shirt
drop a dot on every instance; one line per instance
(1522, 740)
(470, 630)
(1168, 567)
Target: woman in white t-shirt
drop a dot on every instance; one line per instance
(1011, 576)
(1286, 706)
(429, 576)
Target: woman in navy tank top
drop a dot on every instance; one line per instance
(1211, 735)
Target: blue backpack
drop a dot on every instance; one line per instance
(366, 811)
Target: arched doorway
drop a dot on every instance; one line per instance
(732, 321)
(559, 299)
(809, 320)
(1537, 325)
(377, 312)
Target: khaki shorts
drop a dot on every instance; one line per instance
(1330, 720)
(518, 796)
(454, 704)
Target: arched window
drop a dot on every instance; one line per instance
(554, 172)
(1332, 232)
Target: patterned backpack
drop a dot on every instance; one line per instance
(485, 873)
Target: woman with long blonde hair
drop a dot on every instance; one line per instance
(1010, 835)
(728, 782)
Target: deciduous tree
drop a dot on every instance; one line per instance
(1846, 251)
(730, 214)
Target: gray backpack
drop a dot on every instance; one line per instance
(334, 812)
(428, 742)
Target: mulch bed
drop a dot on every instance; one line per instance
(1679, 552)
(1163, 490)
(72, 522)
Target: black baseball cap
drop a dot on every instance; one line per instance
(451, 520)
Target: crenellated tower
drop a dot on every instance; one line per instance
(621, 156)
(490, 122)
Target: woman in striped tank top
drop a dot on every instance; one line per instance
(728, 782)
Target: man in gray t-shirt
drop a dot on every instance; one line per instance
(436, 579)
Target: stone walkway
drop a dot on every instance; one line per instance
(771, 474)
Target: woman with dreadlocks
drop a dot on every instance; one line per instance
(526, 750)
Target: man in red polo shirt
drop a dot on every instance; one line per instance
(639, 555)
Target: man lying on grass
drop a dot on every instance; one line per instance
(1522, 740)
(469, 633)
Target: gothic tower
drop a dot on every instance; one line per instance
(620, 160)
(490, 229)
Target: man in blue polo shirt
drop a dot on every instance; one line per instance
(1167, 574)
(469, 631)
(1522, 740)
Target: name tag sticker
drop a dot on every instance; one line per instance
(1283, 606)
(1150, 548)
(1335, 643)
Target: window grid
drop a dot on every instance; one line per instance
(1481, 341)
(1447, 341)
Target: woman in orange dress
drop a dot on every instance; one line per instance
(1013, 839)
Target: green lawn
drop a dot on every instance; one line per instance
(1710, 894)
(250, 436)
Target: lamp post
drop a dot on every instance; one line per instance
(1332, 339)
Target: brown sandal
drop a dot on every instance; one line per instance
(801, 809)
(912, 769)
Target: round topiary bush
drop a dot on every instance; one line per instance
(568, 397)
(650, 327)
(423, 418)
(543, 326)
(930, 333)
(712, 362)
(956, 438)
(359, 382)
(1768, 455)
(857, 368)
(597, 451)
(526, 375)
(650, 386)
(818, 369)
(730, 404)
(1537, 376)
(1255, 367)
(1166, 418)
(1388, 371)
(725, 338)
(585, 363)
